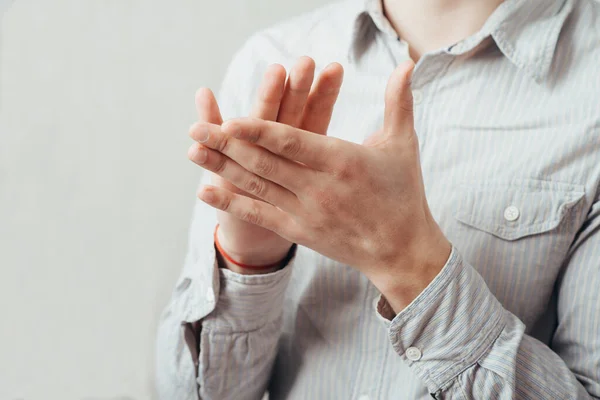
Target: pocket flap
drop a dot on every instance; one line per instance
(518, 208)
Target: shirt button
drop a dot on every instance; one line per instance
(210, 296)
(417, 96)
(364, 397)
(511, 213)
(413, 354)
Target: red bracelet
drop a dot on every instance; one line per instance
(231, 260)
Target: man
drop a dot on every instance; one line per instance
(442, 240)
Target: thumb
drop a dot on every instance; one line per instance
(398, 117)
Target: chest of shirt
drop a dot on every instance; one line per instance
(509, 181)
(510, 169)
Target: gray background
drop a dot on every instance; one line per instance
(96, 97)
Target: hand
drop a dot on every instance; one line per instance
(363, 205)
(292, 103)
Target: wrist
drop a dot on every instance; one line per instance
(258, 258)
(226, 264)
(406, 277)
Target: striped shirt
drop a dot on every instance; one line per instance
(508, 122)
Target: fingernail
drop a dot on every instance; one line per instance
(201, 156)
(206, 196)
(197, 153)
(203, 134)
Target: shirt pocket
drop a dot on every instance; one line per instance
(519, 208)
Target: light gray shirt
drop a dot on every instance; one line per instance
(508, 122)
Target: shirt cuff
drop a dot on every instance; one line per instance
(247, 302)
(203, 285)
(448, 327)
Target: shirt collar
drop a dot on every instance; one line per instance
(526, 31)
(361, 32)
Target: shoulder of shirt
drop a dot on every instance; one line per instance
(585, 19)
(326, 29)
(588, 24)
(580, 40)
(588, 15)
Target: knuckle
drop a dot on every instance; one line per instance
(252, 216)
(223, 144)
(220, 165)
(264, 165)
(255, 186)
(405, 107)
(325, 199)
(253, 134)
(290, 146)
(220, 143)
(344, 169)
(225, 203)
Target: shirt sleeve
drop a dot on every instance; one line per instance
(462, 343)
(217, 338)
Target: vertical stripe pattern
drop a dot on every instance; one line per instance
(508, 122)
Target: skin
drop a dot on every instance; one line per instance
(333, 196)
(295, 101)
(428, 25)
(284, 182)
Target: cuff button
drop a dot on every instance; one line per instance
(413, 354)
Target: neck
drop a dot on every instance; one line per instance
(428, 25)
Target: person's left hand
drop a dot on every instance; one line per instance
(363, 205)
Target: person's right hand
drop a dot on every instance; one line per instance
(293, 103)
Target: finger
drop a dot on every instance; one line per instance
(296, 92)
(291, 175)
(316, 151)
(241, 178)
(321, 100)
(398, 117)
(207, 107)
(250, 210)
(270, 93)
